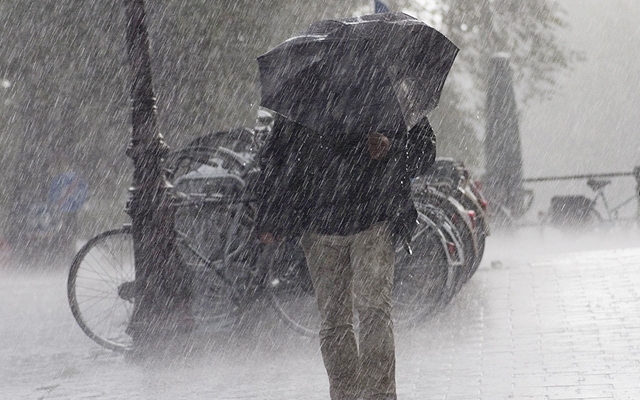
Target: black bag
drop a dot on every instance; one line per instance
(570, 210)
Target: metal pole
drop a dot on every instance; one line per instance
(583, 176)
(162, 288)
(636, 173)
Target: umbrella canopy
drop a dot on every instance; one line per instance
(370, 71)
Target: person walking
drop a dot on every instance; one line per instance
(349, 203)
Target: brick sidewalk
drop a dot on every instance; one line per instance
(564, 327)
(567, 328)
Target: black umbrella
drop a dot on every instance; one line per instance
(369, 71)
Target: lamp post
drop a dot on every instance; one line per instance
(162, 286)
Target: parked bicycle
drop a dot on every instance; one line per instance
(449, 186)
(581, 212)
(231, 271)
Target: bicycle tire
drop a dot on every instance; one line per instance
(451, 241)
(290, 289)
(457, 216)
(423, 281)
(97, 288)
(215, 247)
(481, 229)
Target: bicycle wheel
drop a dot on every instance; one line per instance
(423, 281)
(291, 290)
(100, 288)
(214, 231)
(481, 229)
(214, 244)
(457, 216)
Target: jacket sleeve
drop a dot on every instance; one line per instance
(415, 155)
(421, 148)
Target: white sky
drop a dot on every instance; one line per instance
(593, 124)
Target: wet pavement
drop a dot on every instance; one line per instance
(543, 318)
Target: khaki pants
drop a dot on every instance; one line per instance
(348, 271)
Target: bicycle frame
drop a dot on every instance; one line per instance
(612, 212)
(598, 187)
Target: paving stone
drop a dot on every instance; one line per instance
(564, 326)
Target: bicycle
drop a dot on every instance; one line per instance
(580, 212)
(598, 185)
(448, 185)
(214, 226)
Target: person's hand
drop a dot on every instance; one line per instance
(378, 145)
(267, 238)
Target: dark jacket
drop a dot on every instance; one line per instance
(310, 181)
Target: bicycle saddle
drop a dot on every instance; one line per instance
(596, 184)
